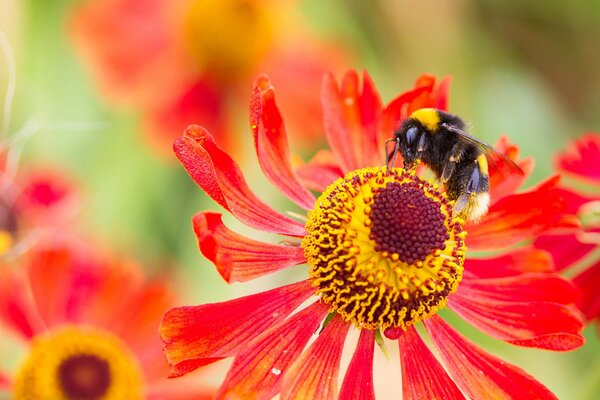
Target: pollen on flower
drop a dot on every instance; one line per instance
(385, 248)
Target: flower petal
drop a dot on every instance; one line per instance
(358, 382)
(424, 94)
(589, 282)
(422, 375)
(582, 158)
(271, 144)
(521, 216)
(350, 117)
(17, 311)
(238, 258)
(220, 177)
(198, 335)
(314, 374)
(478, 374)
(320, 172)
(257, 371)
(516, 262)
(566, 248)
(530, 323)
(506, 181)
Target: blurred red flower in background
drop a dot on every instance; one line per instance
(184, 61)
(34, 202)
(375, 264)
(87, 327)
(580, 163)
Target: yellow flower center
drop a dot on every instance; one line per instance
(384, 247)
(76, 363)
(8, 226)
(228, 37)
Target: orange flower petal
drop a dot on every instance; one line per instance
(314, 374)
(237, 257)
(257, 371)
(198, 335)
(358, 382)
(478, 374)
(271, 144)
(423, 377)
(221, 178)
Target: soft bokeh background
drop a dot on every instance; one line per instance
(526, 69)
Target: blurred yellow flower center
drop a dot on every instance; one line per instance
(76, 363)
(228, 37)
(384, 247)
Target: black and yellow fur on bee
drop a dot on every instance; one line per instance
(458, 159)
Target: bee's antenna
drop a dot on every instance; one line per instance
(392, 154)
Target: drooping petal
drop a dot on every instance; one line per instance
(237, 257)
(271, 144)
(522, 260)
(350, 117)
(589, 282)
(530, 323)
(479, 374)
(221, 178)
(582, 158)
(257, 371)
(521, 216)
(314, 375)
(320, 172)
(358, 382)
(423, 377)
(198, 335)
(566, 249)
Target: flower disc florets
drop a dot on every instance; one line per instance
(384, 247)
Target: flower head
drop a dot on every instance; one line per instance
(385, 252)
(81, 335)
(575, 248)
(179, 61)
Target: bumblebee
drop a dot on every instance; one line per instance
(458, 159)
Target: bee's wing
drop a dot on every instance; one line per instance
(504, 164)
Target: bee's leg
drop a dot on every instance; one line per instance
(422, 146)
(461, 202)
(447, 171)
(456, 152)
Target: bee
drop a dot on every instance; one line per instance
(458, 159)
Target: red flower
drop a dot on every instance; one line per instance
(87, 327)
(581, 162)
(33, 203)
(182, 61)
(385, 253)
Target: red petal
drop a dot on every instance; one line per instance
(507, 309)
(521, 288)
(358, 382)
(589, 282)
(199, 335)
(422, 375)
(271, 144)
(516, 262)
(237, 257)
(320, 172)
(5, 381)
(256, 371)
(350, 118)
(17, 311)
(314, 374)
(478, 374)
(220, 177)
(521, 216)
(506, 181)
(566, 249)
(583, 158)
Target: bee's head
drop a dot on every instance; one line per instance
(408, 141)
